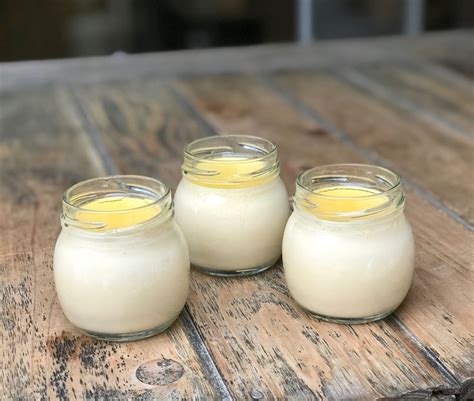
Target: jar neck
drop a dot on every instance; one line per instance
(230, 162)
(349, 193)
(116, 206)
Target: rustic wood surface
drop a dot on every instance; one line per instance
(407, 104)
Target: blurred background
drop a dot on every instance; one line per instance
(73, 28)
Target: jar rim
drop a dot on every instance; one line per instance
(76, 214)
(230, 161)
(236, 140)
(121, 180)
(383, 187)
(394, 184)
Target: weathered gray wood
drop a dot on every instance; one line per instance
(427, 152)
(243, 337)
(463, 392)
(42, 152)
(432, 94)
(453, 48)
(258, 337)
(436, 310)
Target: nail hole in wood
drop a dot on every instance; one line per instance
(256, 395)
(159, 372)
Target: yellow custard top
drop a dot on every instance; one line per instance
(338, 202)
(116, 211)
(231, 172)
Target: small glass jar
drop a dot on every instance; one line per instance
(348, 250)
(121, 264)
(232, 205)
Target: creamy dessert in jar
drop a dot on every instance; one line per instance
(231, 204)
(348, 249)
(121, 263)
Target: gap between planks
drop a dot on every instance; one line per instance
(342, 136)
(190, 328)
(363, 81)
(428, 354)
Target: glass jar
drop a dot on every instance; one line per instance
(348, 250)
(121, 264)
(232, 205)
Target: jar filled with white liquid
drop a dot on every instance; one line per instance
(231, 204)
(348, 249)
(121, 264)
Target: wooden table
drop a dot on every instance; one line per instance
(407, 104)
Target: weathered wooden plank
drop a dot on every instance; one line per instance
(429, 154)
(257, 335)
(453, 48)
(465, 391)
(437, 310)
(42, 152)
(432, 93)
(143, 127)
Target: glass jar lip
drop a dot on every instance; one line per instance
(122, 179)
(394, 185)
(237, 139)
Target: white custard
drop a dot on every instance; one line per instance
(121, 267)
(232, 229)
(353, 272)
(345, 268)
(232, 205)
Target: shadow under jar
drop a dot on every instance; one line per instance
(348, 250)
(232, 205)
(121, 264)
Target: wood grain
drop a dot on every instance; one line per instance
(42, 152)
(454, 51)
(428, 153)
(142, 118)
(465, 391)
(257, 335)
(402, 102)
(432, 93)
(436, 313)
(452, 48)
